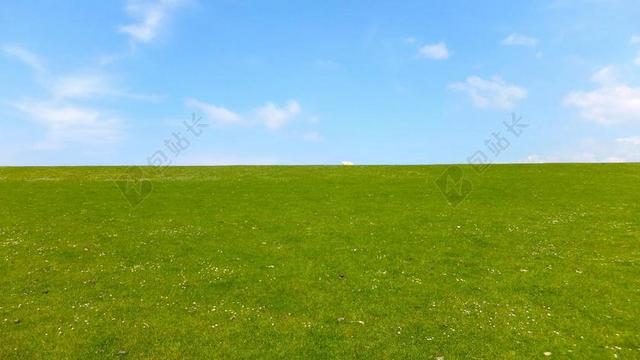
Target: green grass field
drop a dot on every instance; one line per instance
(321, 262)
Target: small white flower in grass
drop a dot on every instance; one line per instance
(547, 353)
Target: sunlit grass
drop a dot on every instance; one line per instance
(315, 262)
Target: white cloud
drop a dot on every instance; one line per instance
(635, 40)
(610, 104)
(65, 120)
(69, 123)
(516, 39)
(108, 59)
(410, 40)
(92, 86)
(274, 116)
(149, 15)
(216, 114)
(270, 115)
(24, 55)
(77, 86)
(631, 140)
(594, 151)
(491, 93)
(437, 51)
(608, 75)
(577, 157)
(81, 86)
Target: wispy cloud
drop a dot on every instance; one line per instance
(516, 39)
(68, 112)
(82, 86)
(438, 51)
(70, 123)
(491, 93)
(24, 55)
(410, 40)
(149, 18)
(631, 140)
(275, 117)
(216, 114)
(612, 103)
(270, 115)
(93, 86)
(625, 149)
(607, 75)
(635, 40)
(609, 105)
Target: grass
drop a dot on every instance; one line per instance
(321, 262)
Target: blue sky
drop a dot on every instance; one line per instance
(284, 82)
